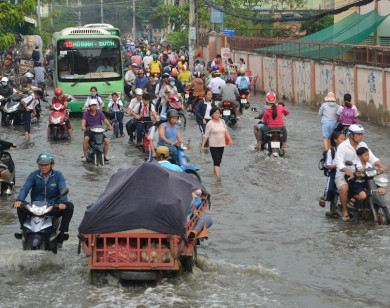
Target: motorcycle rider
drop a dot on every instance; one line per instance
(6, 159)
(40, 75)
(140, 80)
(45, 184)
(143, 112)
(185, 76)
(162, 155)
(273, 119)
(5, 90)
(24, 89)
(30, 103)
(155, 66)
(150, 87)
(94, 96)
(130, 125)
(243, 83)
(199, 87)
(229, 93)
(116, 106)
(216, 83)
(169, 132)
(130, 78)
(347, 152)
(91, 118)
(59, 97)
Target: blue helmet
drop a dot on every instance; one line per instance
(215, 68)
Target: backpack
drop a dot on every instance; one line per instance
(35, 55)
(321, 163)
(347, 116)
(244, 83)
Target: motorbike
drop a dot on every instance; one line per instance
(272, 143)
(186, 96)
(193, 103)
(7, 173)
(228, 115)
(115, 122)
(244, 104)
(40, 229)
(174, 103)
(373, 208)
(57, 122)
(14, 111)
(183, 161)
(95, 152)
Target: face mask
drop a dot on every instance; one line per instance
(93, 94)
(3, 84)
(172, 84)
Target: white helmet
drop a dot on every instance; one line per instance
(5, 79)
(139, 91)
(93, 101)
(356, 129)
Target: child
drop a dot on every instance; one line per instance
(360, 185)
(154, 138)
(347, 113)
(116, 106)
(336, 139)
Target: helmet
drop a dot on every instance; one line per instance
(148, 53)
(45, 158)
(197, 74)
(172, 113)
(171, 79)
(174, 61)
(229, 79)
(182, 58)
(184, 67)
(242, 70)
(93, 101)
(217, 73)
(165, 75)
(174, 72)
(356, 129)
(139, 91)
(167, 69)
(155, 57)
(58, 92)
(140, 72)
(23, 79)
(5, 79)
(270, 98)
(215, 68)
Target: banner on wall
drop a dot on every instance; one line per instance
(225, 53)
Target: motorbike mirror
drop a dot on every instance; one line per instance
(69, 99)
(64, 191)
(188, 140)
(348, 163)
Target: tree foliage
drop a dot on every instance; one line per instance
(12, 15)
(312, 27)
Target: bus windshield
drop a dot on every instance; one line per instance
(89, 59)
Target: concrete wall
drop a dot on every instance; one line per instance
(308, 82)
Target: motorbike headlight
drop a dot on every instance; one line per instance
(11, 109)
(371, 173)
(98, 130)
(39, 210)
(55, 120)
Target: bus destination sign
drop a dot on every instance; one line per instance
(72, 44)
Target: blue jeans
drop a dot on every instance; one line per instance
(140, 127)
(27, 121)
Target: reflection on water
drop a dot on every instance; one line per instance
(270, 244)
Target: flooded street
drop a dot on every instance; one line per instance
(270, 245)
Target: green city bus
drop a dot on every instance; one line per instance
(110, 28)
(86, 57)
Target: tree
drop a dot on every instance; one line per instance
(312, 27)
(12, 15)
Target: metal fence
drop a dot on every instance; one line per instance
(350, 53)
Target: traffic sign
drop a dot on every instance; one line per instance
(228, 32)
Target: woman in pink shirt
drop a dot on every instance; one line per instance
(215, 131)
(273, 118)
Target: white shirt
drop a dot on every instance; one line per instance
(147, 60)
(139, 108)
(132, 104)
(353, 107)
(129, 76)
(118, 106)
(207, 115)
(238, 81)
(345, 151)
(154, 136)
(216, 85)
(330, 161)
(100, 101)
(30, 101)
(359, 165)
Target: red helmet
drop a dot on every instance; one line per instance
(58, 92)
(174, 72)
(270, 98)
(184, 67)
(140, 71)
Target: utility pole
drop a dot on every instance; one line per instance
(51, 11)
(39, 14)
(192, 32)
(134, 30)
(101, 11)
(79, 5)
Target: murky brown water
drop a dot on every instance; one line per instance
(270, 246)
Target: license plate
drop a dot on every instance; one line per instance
(243, 101)
(226, 112)
(186, 95)
(275, 145)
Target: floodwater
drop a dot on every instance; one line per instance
(270, 245)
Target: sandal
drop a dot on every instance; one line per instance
(322, 203)
(346, 218)
(352, 201)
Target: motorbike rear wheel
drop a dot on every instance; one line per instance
(116, 129)
(182, 120)
(383, 215)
